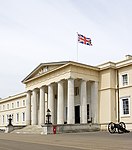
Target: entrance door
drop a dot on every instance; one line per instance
(77, 114)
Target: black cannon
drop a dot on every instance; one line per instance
(117, 127)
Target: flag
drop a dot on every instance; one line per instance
(84, 40)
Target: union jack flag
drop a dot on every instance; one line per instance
(84, 40)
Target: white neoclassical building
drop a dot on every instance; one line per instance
(75, 93)
(68, 89)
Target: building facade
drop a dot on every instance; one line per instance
(74, 93)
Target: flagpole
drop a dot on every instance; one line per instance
(77, 46)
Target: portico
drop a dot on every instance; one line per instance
(71, 96)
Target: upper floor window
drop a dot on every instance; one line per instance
(17, 103)
(125, 106)
(76, 90)
(125, 79)
(12, 105)
(23, 102)
(7, 106)
(3, 107)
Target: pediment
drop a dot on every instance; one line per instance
(43, 69)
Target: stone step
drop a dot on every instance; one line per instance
(31, 129)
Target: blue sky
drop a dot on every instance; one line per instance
(40, 31)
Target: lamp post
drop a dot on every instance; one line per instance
(48, 116)
(10, 120)
(9, 127)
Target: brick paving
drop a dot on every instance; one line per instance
(87, 140)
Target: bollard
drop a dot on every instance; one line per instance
(54, 129)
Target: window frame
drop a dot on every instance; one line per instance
(24, 103)
(3, 119)
(3, 106)
(121, 106)
(12, 118)
(124, 83)
(23, 117)
(7, 116)
(18, 104)
(8, 106)
(17, 117)
(76, 91)
(12, 105)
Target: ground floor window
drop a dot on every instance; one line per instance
(17, 117)
(23, 116)
(7, 117)
(12, 117)
(125, 106)
(3, 119)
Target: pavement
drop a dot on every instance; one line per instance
(67, 141)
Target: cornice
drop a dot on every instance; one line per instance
(13, 97)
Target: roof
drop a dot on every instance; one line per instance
(59, 65)
(13, 97)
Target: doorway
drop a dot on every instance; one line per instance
(77, 114)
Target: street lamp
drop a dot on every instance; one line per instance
(48, 117)
(10, 120)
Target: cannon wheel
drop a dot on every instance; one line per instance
(111, 127)
(122, 124)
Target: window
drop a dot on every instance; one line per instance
(7, 118)
(7, 106)
(17, 103)
(17, 117)
(125, 79)
(125, 106)
(23, 116)
(12, 105)
(12, 117)
(76, 91)
(23, 102)
(3, 107)
(3, 119)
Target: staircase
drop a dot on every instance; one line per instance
(31, 129)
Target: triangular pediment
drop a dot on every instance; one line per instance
(44, 68)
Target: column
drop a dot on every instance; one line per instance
(94, 101)
(70, 102)
(51, 101)
(83, 102)
(34, 108)
(42, 105)
(60, 103)
(28, 108)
